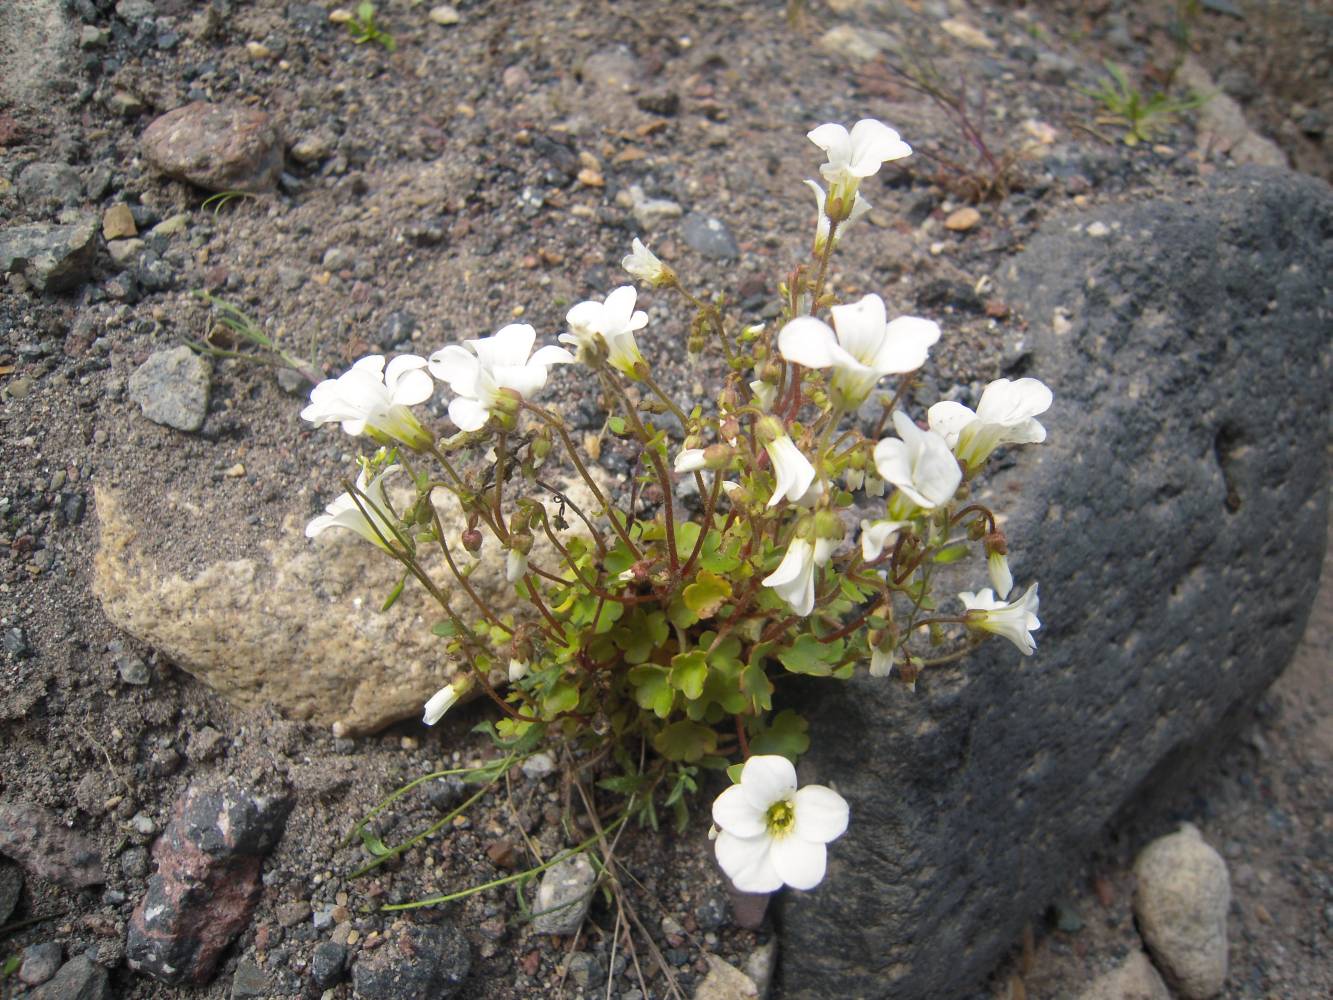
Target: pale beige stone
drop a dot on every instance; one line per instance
(963, 219)
(725, 982)
(118, 222)
(298, 625)
(1135, 978)
(1222, 127)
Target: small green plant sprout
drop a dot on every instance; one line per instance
(1142, 116)
(229, 328)
(658, 636)
(217, 202)
(361, 25)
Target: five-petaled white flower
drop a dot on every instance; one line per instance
(494, 364)
(643, 264)
(1005, 415)
(795, 475)
(919, 463)
(770, 832)
(1014, 620)
(794, 579)
(860, 206)
(346, 511)
(372, 398)
(864, 349)
(855, 155)
(606, 330)
(440, 702)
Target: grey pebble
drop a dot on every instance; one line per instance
(709, 236)
(172, 388)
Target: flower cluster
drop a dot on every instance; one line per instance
(808, 547)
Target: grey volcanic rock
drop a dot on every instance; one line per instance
(207, 881)
(54, 258)
(172, 388)
(419, 960)
(219, 148)
(1176, 519)
(78, 979)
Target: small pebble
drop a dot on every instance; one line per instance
(962, 220)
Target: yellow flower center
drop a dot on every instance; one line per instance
(780, 818)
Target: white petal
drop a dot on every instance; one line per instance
(412, 387)
(834, 140)
(948, 419)
(768, 778)
(796, 560)
(808, 341)
(747, 863)
(551, 355)
(456, 366)
(821, 814)
(690, 460)
(468, 414)
(906, 345)
(875, 535)
(586, 317)
(619, 309)
(799, 863)
(881, 663)
(1013, 403)
(872, 143)
(733, 812)
(1000, 576)
(440, 702)
(523, 379)
(510, 345)
(860, 327)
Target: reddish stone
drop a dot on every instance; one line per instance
(217, 147)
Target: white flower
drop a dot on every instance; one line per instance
(642, 263)
(770, 832)
(863, 350)
(764, 394)
(440, 702)
(494, 364)
(881, 662)
(1005, 415)
(920, 464)
(372, 398)
(606, 330)
(691, 460)
(794, 579)
(516, 564)
(860, 206)
(344, 511)
(518, 669)
(795, 475)
(997, 564)
(875, 535)
(856, 154)
(1014, 620)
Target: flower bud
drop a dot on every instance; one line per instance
(472, 540)
(769, 429)
(828, 525)
(541, 447)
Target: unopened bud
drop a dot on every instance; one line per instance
(769, 429)
(472, 540)
(541, 447)
(828, 525)
(996, 544)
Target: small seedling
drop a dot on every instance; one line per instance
(236, 324)
(362, 27)
(216, 203)
(1139, 114)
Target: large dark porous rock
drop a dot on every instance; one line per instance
(207, 880)
(1176, 519)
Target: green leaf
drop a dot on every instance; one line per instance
(687, 534)
(687, 741)
(734, 772)
(616, 425)
(640, 633)
(756, 686)
(652, 690)
(688, 672)
(807, 655)
(394, 594)
(950, 554)
(680, 615)
(787, 734)
(372, 843)
(713, 557)
(445, 629)
(706, 595)
(563, 697)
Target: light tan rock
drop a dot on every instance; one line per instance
(118, 222)
(1180, 901)
(1222, 124)
(1135, 978)
(725, 982)
(297, 625)
(962, 220)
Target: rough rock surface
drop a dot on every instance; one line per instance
(41, 843)
(1176, 519)
(1135, 978)
(78, 979)
(419, 960)
(54, 258)
(241, 626)
(218, 148)
(11, 887)
(172, 388)
(725, 982)
(564, 896)
(36, 40)
(207, 880)
(1180, 902)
